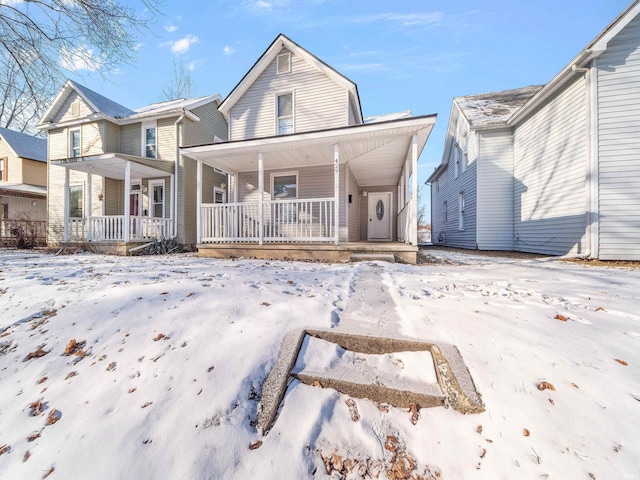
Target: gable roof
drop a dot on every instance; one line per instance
(388, 116)
(282, 41)
(593, 50)
(25, 146)
(491, 110)
(103, 107)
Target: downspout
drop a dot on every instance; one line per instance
(589, 193)
(175, 174)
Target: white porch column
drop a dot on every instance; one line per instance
(260, 195)
(172, 206)
(89, 206)
(336, 191)
(127, 199)
(414, 188)
(235, 188)
(199, 202)
(66, 205)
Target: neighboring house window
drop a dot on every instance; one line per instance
(156, 200)
(284, 186)
(456, 161)
(219, 195)
(3, 170)
(465, 151)
(461, 211)
(445, 213)
(74, 143)
(76, 194)
(149, 140)
(284, 106)
(284, 63)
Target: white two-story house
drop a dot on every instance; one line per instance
(308, 177)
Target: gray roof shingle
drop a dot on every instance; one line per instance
(25, 146)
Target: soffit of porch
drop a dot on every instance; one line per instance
(112, 165)
(375, 156)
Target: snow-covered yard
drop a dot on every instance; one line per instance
(171, 353)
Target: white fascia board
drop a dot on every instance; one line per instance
(67, 88)
(601, 42)
(453, 117)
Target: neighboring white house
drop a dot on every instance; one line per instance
(306, 169)
(23, 183)
(115, 176)
(552, 169)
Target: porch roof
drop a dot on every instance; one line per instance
(112, 165)
(376, 152)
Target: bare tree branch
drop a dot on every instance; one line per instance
(41, 40)
(180, 85)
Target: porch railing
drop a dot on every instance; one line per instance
(302, 220)
(111, 227)
(404, 226)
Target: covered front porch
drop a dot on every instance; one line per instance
(301, 191)
(115, 215)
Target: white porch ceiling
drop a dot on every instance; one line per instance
(376, 153)
(113, 166)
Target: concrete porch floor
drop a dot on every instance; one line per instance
(327, 252)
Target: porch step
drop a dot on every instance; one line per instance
(371, 257)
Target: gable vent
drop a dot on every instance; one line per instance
(284, 63)
(75, 108)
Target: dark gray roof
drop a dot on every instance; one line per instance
(25, 146)
(103, 104)
(493, 109)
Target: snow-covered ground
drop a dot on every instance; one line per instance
(171, 353)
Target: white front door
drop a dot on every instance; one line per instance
(379, 216)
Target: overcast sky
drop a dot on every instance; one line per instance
(403, 55)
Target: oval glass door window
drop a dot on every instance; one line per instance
(380, 210)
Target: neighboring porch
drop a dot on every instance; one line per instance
(133, 203)
(23, 213)
(314, 191)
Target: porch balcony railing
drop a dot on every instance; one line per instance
(404, 226)
(13, 228)
(302, 220)
(111, 227)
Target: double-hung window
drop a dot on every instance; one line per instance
(284, 186)
(284, 113)
(461, 208)
(74, 143)
(149, 141)
(3, 170)
(76, 194)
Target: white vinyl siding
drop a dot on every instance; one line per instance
(446, 231)
(619, 146)
(212, 124)
(65, 114)
(319, 101)
(495, 191)
(130, 139)
(549, 175)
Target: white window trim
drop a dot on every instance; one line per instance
(293, 108)
(220, 190)
(71, 132)
(461, 211)
(285, 174)
(143, 138)
(288, 55)
(153, 183)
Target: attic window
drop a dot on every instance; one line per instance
(284, 63)
(75, 108)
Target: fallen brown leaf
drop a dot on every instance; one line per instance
(36, 408)
(600, 309)
(210, 368)
(525, 432)
(391, 443)
(414, 409)
(562, 318)
(54, 416)
(484, 452)
(74, 348)
(353, 409)
(479, 429)
(42, 380)
(33, 436)
(621, 362)
(160, 336)
(70, 374)
(403, 466)
(256, 444)
(49, 472)
(26, 457)
(574, 385)
(111, 367)
(545, 386)
(266, 304)
(131, 390)
(146, 404)
(4, 449)
(37, 354)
